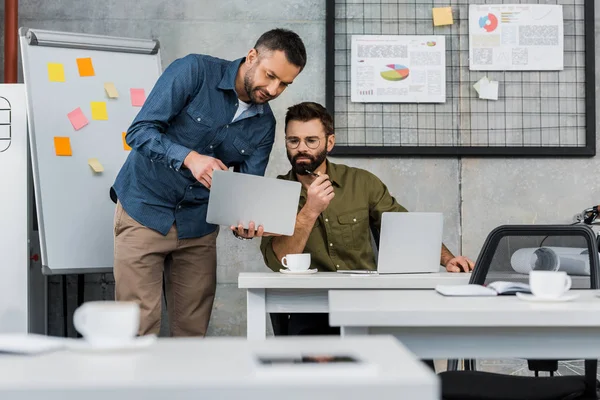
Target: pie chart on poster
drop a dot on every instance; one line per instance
(395, 72)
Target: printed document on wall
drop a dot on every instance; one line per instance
(398, 69)
(516, 37)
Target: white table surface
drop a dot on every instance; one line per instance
(334, 280)
(436, 326)
(217, 368)
(274, 292)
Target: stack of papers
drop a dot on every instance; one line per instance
(486, 89)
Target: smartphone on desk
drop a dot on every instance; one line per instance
(357, 271)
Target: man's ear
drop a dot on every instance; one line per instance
(252, 56)
(330, 142)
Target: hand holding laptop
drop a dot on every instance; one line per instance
(251, 232)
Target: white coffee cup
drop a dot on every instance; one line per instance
(549, 284)
(106, 323)
(296, 262)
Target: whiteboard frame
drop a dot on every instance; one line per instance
(37, 37)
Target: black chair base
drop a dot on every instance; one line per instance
(478, 385)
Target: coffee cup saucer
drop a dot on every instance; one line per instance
(135, 343)
(304, 272)
(567, 296)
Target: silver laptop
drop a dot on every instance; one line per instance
(240, 198)
(410, 242)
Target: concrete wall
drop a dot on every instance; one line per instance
(476, 194)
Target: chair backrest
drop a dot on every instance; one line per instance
(511, 251)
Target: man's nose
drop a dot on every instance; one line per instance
(273, 87)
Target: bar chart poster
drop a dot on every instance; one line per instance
(398, 69)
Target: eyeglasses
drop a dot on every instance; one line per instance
(310, 142)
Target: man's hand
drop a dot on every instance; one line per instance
(319, 195)
(251, 232)
(460, 264)
(202, 167)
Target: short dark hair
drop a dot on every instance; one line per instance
(284, 40)
(307, 111)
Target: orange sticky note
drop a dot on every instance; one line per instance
(442, 16)
(99, 110)
(62, 146)
(56, 72)
(77, 118)
(125, 145)
(138, 97)
(85, 67)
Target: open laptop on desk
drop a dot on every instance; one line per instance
(410, 242)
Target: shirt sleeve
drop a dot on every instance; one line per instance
(171, 93)
(266, 248)
(256, 164)
(380, 201)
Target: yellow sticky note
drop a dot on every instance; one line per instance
(125, 145)
(85, 67)
(95, 164)
(62, 146)
(442, 16)
(111, 90)
(56, 72)
(99, 110)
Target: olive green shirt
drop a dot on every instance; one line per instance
(340, 238)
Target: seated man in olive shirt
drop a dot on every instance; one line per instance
(338, 206)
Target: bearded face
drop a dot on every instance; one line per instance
(303, 161)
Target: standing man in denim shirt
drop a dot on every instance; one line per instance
(203, 114)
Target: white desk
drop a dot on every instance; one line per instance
(273, 292)
(434, 326)
(216, 368)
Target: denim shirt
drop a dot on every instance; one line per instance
(191, 107)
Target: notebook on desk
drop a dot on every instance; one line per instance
(410, 242)
(493, 289)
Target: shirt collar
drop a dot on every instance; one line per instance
(228, 81)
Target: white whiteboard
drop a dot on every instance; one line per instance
(14, 210)
(74, 210)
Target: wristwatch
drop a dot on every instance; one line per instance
(240, 237)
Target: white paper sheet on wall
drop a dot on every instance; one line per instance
(398, 69)
(516, 37)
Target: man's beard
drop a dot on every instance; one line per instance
(315, 162)
(252, 91)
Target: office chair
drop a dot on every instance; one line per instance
(494, 264)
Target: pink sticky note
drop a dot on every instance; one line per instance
(78, 120)
(138, 96)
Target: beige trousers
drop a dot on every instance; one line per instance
(139, 264)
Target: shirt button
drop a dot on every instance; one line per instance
(226, 126)
(210, 147)
(330, 244)
(191, 187)
(236, 104)
(178, 206)
(199, 119)
(354, 219)
(326, 219)
(337, 266)
(242, 151)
